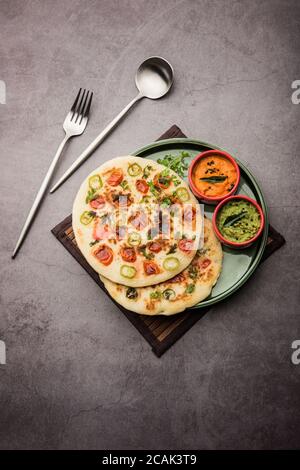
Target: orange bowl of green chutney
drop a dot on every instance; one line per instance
(213, 176)
(238, 221)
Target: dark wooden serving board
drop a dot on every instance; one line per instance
(160, 332)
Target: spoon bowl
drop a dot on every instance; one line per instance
(154, 77)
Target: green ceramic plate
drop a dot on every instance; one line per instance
(238, 265)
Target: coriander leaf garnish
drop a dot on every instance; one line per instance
(190, 288)
(154, 189)
(147, 171)
(142, 250)
(165, 172)
(166, 202)
(172, 249)
(164, 181)
(94, 242)
(175, 163)
(176, 181)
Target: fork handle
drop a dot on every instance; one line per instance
(39, 196)
(87, 152)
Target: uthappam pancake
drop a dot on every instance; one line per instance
(136, 222)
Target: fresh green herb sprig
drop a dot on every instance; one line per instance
(175, 163)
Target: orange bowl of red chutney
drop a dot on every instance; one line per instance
(213, 176)
(238, 221)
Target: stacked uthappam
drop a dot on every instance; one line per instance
(139, 226)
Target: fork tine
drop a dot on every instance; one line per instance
(78, 109)
(86, 109)
(75, 103)
(83, 107)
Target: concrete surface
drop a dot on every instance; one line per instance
(78, 375)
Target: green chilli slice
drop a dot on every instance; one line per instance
(87, 217)
(171, 263)
(183, 194)
(134, 169)
(131, 293)
(156, 295)
(134, 239)
(95, 182)
(127, 271)
(169, 294)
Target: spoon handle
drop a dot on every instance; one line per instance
(93, 145)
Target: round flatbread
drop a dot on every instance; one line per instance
(185, 290)
(136, 222)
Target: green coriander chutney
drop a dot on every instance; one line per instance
(238, 221)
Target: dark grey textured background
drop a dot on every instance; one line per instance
(78, 375)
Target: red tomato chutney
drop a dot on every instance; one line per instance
(214, 176)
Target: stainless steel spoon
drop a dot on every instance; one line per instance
(153, 79)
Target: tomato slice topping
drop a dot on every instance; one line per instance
(205, 263)
(155, 247)
(150, 267)
(104, 254)
(162, 182)
(128, 254)
(116, 177)
(102, 231)
(98, 202)
(142, 186)
(186, 245)
(139, 220)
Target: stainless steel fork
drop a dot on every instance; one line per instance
(74, 124)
